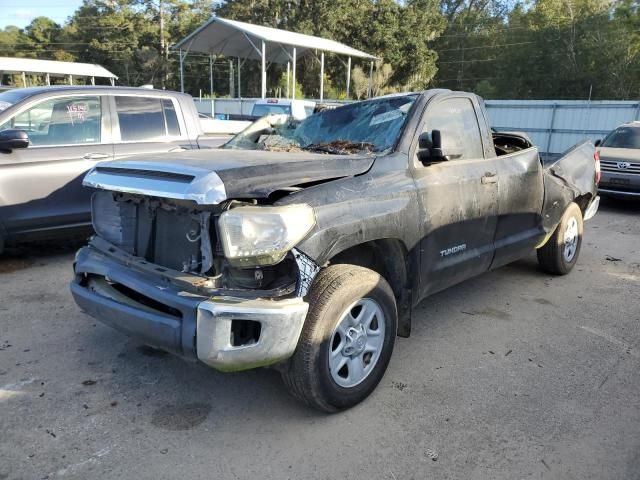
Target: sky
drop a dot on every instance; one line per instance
(21, 12)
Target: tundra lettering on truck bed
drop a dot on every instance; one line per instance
(304, 245)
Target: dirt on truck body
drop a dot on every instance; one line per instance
(305, 245)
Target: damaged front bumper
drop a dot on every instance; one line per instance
(184, 321)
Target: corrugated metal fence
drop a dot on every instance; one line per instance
(232, 106)
(556, 125)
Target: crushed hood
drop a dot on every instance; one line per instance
(209, 177)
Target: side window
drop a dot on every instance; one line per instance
(144, 119)
(456, 119)
(62, 121)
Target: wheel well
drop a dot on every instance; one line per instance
(583, 202)
(389, 258)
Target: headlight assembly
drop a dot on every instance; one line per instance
(257, 236)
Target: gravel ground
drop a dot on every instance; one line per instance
(512, 375)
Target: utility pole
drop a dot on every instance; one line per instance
(163, 50)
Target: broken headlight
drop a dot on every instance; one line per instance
(254, 236)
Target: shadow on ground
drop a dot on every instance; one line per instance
(25, 255)
(608, 204)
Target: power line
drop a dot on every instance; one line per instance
(482, 47)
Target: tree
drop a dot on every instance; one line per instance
(499, 48)
(398, 32)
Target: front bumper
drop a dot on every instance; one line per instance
(620, 184)
(187, 324)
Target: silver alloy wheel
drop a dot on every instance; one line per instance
(356, 343)
(570, 239)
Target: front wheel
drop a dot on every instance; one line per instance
(347, 339)
(559, 255)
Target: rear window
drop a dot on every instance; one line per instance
(262, 110)
(623, 137)
(145, 119)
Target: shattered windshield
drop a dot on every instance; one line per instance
(369, 126)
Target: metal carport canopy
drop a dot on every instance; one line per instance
(50, 67)
(220, 36)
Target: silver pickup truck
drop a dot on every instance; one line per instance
(51, 136)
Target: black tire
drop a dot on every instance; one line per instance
(551, 256)
(307, 374)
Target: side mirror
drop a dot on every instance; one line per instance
(12, 139)
(597, 143)
(431, 151)
(425, 144)
(436, 150)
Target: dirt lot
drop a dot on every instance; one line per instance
(512, 375)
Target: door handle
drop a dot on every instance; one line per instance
(177, 149)
(489, 178)
(95, 156)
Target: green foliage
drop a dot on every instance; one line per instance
(498, 48)
(399, 32)
(281, 91)
(543, 49)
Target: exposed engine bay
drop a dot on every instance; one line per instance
(183, 237)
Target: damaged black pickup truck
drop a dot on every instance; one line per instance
(305, 246)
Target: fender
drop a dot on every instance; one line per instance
(565, 180)
(379, 204)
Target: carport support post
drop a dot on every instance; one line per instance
(93, 81)
(70, 79)
(288, 78)
(48, 79)
(113, 81)
(24, 79)
(293, 76)
(370, 92)
(264, 70)
(181, 72)
(239, 80)
(211, 78)
(348, 76)
(321, 76)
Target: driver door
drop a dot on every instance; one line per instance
(458, 197)
(41, 186)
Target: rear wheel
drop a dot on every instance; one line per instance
(347, 339)
(559, 255)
